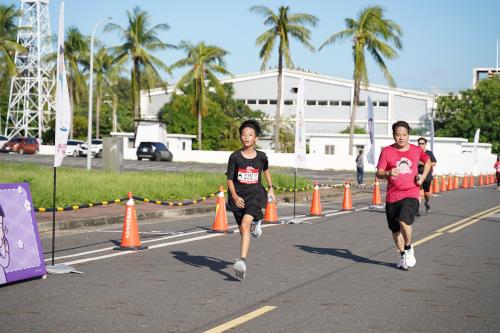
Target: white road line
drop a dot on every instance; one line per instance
(115, 254)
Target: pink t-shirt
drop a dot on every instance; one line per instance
(404, 185)
(497, 166)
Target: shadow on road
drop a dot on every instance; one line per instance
(344, 253)
(215, 265)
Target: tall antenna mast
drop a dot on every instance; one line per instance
(31, 104)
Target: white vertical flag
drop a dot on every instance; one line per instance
(300, 129)
(371, 130)
(63, 106)
(476, 141)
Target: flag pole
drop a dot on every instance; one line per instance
(54, 216)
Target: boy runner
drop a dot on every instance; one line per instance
(247, 194)
(497, 168)
(398, 163)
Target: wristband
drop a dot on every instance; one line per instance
(271, 186)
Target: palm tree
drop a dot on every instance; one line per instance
(204, 61)
(8, 45)
(106, 75)
(283, 25)
(139, 39)
(368, 32)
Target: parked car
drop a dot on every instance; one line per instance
(155, 151)
(73, 148)
(3, 140)
(95, 148)
(22, 146)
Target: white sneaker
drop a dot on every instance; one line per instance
(402, 261)
(240, 268)
(410, 257)
(257, 229)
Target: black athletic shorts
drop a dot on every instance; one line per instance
(402, 210)
(426, 186)
(255, 211)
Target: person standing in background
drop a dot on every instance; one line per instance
(360, 165)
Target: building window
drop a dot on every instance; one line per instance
(329, 149)
(323, 103)
(183, 145)
(288, 102)
(273, 102)
(251, 101)
(361, 103)
(310, 102)
(345, 103)
(263, 101)
(383, 103)
(335, 103)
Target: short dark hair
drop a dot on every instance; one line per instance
(400, 123)
(252, 124)
(422, 139)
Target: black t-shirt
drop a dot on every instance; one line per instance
(246, 174)
(421, 166)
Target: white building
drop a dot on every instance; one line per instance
(328, 101)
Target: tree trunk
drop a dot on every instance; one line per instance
(72, 107)
(277, 117)
(199, 128)
(114, 111)
(137, 93)
(97, 113)
(355, 103)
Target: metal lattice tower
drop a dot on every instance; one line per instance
(31, 104)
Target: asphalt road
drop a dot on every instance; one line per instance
(324, 177)
(336, 274)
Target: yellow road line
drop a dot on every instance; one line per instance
(423, 240)
(476, 216)
(240, 320)
(471, 222)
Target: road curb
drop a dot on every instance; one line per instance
(180, 211)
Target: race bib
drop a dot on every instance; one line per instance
(248, 175)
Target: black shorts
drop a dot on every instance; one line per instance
(426, 186)
(402, 210)
(255, 211)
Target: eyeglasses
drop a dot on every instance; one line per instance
(421, 143)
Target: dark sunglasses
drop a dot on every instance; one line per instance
(421, 143)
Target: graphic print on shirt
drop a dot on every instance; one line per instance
(248, 175)
(404, 165)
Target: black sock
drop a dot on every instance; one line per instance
(402, 252)
(408, 247)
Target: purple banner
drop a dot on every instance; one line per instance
(21, 255)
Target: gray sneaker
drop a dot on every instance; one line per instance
(240, 268)
(402, 262)
(257, 229)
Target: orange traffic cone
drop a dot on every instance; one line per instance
(435, 185)
(316, 202)
(481, 180)
(220, 222)
(455, 183)
(130, 234)
(450, 182)
(465, 182)
(347, 202)
(271, 215)
(486, 179)
(471, 180)
(443, 184)
(377, 199)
